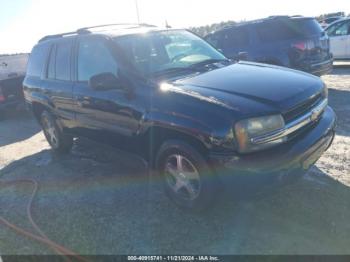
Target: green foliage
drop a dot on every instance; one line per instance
(204, 30)
(324, 16)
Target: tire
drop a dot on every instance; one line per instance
(188, 180)
(59, 141)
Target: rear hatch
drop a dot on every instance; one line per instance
(311, 42)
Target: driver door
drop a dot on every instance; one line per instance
(100, 112)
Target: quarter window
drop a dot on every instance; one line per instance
(94, 58)
(37, 60)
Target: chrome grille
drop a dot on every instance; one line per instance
(294, 126)
(302, 108)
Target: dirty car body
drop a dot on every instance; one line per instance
(169, 96)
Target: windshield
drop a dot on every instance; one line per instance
(166, 50)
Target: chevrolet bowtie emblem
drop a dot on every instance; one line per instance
(315, 114)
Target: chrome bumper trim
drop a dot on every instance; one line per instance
(293, 126)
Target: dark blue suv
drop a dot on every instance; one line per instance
(199, 119)
(295, 42)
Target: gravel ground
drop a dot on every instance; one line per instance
(97, 200)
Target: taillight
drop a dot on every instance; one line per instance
(2, 97)
(304, 45)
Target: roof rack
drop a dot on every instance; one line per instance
(278, 16)
(48, 37)
(85, 30)
(132, 25)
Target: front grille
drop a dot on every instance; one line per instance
(302, 108)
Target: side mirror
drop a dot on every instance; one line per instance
(104, 81)
(242, 56)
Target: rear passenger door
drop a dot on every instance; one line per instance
(59, 85)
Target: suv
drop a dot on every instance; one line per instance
(12, 72)
(168, 95)
(339, 34)
(295, 42)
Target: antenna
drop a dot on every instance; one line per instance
(137, 11)
(167, 26)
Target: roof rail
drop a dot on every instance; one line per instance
(48, 37)
(278, 16)
(85, 30)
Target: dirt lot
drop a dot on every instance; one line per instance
(100, 201)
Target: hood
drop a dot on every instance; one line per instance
(277, 87)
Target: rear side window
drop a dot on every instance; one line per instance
(235, 37)
(270, 32)
(94, 58)
(63, 57)
(37, 60)
(287, 29)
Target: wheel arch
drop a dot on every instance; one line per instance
(156, 136)
(38, 108)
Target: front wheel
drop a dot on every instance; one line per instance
(59, 142)
(187, 178)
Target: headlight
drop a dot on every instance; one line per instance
(248, 129)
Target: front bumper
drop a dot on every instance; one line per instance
(298, 154)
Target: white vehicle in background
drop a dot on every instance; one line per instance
(339, 35)
(13, 64)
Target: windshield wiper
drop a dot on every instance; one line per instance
(208, 62)
(173, 70)
(191, 69)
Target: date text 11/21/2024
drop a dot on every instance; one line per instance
(173, 258)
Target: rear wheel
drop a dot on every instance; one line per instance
(187, 178)
(59, 142)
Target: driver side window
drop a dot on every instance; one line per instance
(339, 29)
(94, 58)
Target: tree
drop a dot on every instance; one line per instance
(324, 16)
(207, 29)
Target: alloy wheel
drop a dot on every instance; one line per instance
(50, 131)
(182, 177)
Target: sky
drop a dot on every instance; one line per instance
(24, 22)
